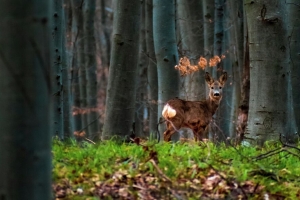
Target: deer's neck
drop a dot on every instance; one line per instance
(212, 105)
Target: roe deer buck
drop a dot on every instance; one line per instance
(195, 115)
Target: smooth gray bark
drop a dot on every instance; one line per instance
(66, 72)
(80, 61)
(245, 87)
(90, 67)
(165, 51)
(218, 31)
(121, 90)
(225, 115)
(191, 30)
(76, 62)
(232, 93)
(57, 33)
(141, 93)
(268, 110)
(208, 31)
(25, 65)
(293, 28)
(152, 69)
(215, 130)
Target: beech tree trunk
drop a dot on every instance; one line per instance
(58, 34)
(77, 61)
(165, 51)
(121, 90)
(293, 28)
(228, 110)
(152, 69)
(268, 72)
(25, 65)
(66, 71)
(90, 67)
(191, 30)
(141, 93)
(216, 132)
(208, 31)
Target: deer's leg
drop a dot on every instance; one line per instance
(173, 125)
(201, 133)
(169, 132)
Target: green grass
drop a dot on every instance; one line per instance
(111, 170)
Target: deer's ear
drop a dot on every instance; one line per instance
(223, 78)
(208, 78)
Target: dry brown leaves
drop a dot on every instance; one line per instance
(147, 185)
(185, 67)
(150, 182)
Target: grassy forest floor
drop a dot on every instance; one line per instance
(174, 171)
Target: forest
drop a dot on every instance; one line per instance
(149, 99)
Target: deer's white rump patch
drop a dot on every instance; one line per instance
(168, 112)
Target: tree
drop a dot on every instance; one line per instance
(141, 93)
(293, 27)
(104, 24)
(79, 76)
(58, 34)
(269, 74)
(208, 30)
(90, 67)
(165, 51)
(232, 63)
(68, 120)
(25, 63)
(215, 131)
(191, 31)
(121, 90)
(152, 68)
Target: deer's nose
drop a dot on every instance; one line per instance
(216, 94)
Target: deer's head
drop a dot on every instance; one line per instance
(215, 86)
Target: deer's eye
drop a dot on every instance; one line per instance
(212, 88)
(220, 87)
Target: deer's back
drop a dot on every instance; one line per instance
(192, 111)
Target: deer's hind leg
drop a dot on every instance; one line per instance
(169, 132)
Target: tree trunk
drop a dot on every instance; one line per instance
(215, 130)
(77, 62)
(90, 67)
(268, 72)
(293, 28)
(165, 51)
(228, 110)
(245, 86)
(141, 93)
(57, 32)
(25, 65)
(218, 32)
(103, 47)
(121, 90)
(191, 31)
(80, 58)
(152, 69)
(208, 31)
(66, 71)
(228, 103)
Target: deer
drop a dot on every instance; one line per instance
(195, 115)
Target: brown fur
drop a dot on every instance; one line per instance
(195, 115)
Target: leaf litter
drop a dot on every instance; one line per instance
(145, 178)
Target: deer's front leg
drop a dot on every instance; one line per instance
(201, 133)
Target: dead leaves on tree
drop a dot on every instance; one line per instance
(185, 67)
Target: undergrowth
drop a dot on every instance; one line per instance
(111, 170)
